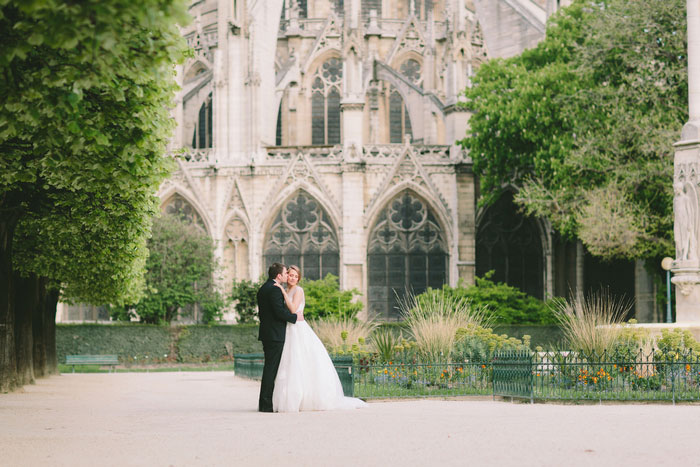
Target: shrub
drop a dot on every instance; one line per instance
(678, 340)
(148, 343)
(478, 343)
(325, 299)
(433, 319)
(591, 323)
(245, 296)
(506, 304)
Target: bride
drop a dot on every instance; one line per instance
(306, 379)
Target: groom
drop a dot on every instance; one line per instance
(274, 315)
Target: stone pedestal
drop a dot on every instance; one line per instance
(686, 228)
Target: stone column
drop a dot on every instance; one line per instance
(686, 202)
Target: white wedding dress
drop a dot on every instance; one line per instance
(306, 378)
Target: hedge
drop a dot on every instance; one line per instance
(135, 343)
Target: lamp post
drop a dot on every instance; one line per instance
(666, 264)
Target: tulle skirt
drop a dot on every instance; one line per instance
(306, 378)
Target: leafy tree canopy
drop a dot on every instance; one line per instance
(84, 124)
(180, 273)
(583, 125)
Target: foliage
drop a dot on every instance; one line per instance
(244, 294)
(325, 299)
(433, 319)
(562, 123)
(476, 343)
(678, 340)
(591, 324)
(386, 343)
(634, 339)
(84, 124)
(148, 343)
(504, 304)
(200, 343)
(341, 334)
(180, 272)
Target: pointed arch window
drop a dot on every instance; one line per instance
(407, 252)
(399, 120)
(509, 244)
(203, 131)
(325, 103)
(302, 234)
(278, 133)
(178, 206)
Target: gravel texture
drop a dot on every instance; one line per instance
(209, 418)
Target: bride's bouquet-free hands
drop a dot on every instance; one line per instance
(287, 301)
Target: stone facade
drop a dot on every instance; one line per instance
(323, 132)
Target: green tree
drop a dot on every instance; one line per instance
(180, 272)
(245, 295)
(84, 124)
(583, 124)
(324, 299)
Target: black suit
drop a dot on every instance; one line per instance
(274, 316)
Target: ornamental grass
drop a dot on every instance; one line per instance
(591, 323)
(337, 333)
(434, 318)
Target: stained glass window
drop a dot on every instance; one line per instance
(180, 207)
(325, 103)
(203, 132)
(509, 244)
(302, 234)
(407, 252)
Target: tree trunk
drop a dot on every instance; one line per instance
(38, 330)
(26, 300)
(49, 311)
(8, 363)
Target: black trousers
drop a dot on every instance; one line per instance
(273, 354)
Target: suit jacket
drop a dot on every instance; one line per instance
(273, 313)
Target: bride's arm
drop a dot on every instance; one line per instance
(293, 305)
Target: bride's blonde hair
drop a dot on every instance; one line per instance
(296, 268)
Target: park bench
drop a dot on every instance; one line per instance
(111, 360)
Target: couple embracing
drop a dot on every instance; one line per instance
(298, 372)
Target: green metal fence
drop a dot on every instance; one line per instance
(251, 366)
(512, 374)
(395, 379)
(659, 376)
(664, 376)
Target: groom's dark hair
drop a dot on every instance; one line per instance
(275, 269)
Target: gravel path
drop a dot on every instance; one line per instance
(192, 419)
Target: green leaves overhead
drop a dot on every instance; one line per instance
(584, 124)
(84, 123)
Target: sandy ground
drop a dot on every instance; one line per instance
(183, 419)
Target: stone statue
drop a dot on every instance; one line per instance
(685, 227)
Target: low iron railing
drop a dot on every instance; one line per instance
(395, 379)
(622, 376)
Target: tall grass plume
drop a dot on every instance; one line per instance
(433, 319)
(591, 323)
